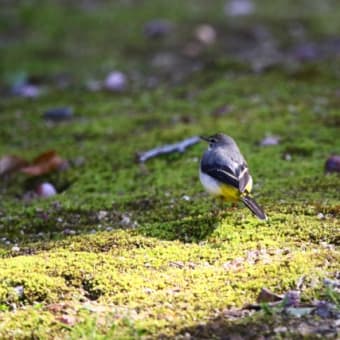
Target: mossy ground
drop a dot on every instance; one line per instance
(152, 255)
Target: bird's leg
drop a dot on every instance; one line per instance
(219, 205)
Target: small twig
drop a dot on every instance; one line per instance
(300, 282)
(169, 148)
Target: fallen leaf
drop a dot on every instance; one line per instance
(45, 163)
(267, 296)
(9, 164)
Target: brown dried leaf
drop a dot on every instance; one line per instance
(45, 163)
(267, 296)
(10, 164)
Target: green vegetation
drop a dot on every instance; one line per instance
(144, 260)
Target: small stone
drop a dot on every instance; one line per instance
(20, 291)
(67, 319)
(157, 28)
(270, 140)
(102, 214)
(68, 231)
(116, 81)
(148, 290)
(15, 249)
(186, 198)
(108, 228)
(187, 335)
(324, 309)
(126, 220)
(306, 52)
(320, 216)
(59, 114)
(331, 283)
(206, 34)
(45, 190)
(239, 7)
(26, 90)
(280, 329)
(287, 157)
(292, 298)
(333, 164)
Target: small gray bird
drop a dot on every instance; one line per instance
(224, 173)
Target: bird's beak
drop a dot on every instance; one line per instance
(206, 139)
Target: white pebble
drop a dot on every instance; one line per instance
(46, 190)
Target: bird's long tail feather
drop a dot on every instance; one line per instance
(254, 207)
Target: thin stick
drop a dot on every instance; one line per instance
(168, 148)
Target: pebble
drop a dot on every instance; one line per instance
(45, 190)
(19, 290)
(270, 140)
(333, 164)
(58, 114)
(206, 34)
(157, 28)
(26, 90)
(116, 81)
(69, 231)
(239, 8)
(186, 198)
(287, 157)
(15, 249)
(102, 214)
(320, 216)
(292, 298)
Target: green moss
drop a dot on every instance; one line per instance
(152, 254)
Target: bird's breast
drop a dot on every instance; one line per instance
(216, 188)
(210, 184)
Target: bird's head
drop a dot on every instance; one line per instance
(219, 139)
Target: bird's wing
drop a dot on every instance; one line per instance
(236, 175)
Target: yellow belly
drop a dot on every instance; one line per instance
(229, 193)
(232, 194)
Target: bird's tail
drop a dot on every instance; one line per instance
(254, 207)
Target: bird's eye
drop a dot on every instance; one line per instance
(212, 140)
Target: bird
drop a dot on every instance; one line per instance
(224, 173)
